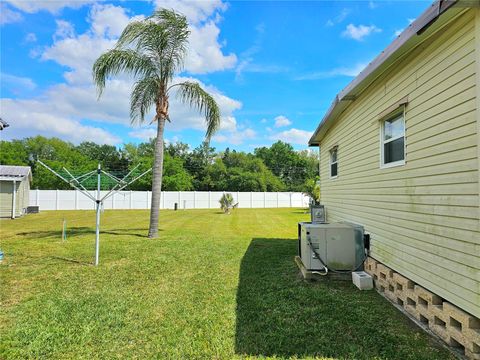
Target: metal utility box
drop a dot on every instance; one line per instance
(339, 245)
(317, 214)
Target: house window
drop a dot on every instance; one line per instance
(333, 162)
(393, 140)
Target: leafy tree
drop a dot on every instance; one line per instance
(153, 50)
(13, 153)
(175, 177)
(107, 155)
(178, 149)
(312, 189)
(292, 167)
(54, 152)
(245, 172)
(199, 164)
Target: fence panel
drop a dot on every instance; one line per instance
(75, 200)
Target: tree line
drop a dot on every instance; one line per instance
(275, 168)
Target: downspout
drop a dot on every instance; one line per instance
(14, 199)
(477, 72)
(319, 174)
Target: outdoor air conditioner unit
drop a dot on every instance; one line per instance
(331, 247)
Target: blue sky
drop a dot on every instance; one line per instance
(274, 67)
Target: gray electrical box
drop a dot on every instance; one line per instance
(317, 214)
(339, 245)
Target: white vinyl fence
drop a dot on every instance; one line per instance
(75, 200)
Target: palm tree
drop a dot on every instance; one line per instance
(153, 51)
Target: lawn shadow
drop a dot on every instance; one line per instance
(84, 230)
(279, 314)
(79, 262)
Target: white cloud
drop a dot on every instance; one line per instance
(293, 136)
(281, 121)
(195, 11)
(8, 16)
(359, 32)
(75, 100)
(340, 71)
(236, 137)
(64, 30)
(372, 5)
(143, 134)
(228, 123)
(31, 37)
(17, 83)
(205, 50)
(109, 20)
(53, 6)
(263, 121)
(26, 120)
(339, 18)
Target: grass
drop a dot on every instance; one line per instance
(214, 286)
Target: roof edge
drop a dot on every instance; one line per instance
(346, 96)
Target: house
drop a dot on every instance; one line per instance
(400, 154)
(14, 190)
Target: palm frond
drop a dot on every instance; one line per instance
(176, 28)
(143, 97)
(164, 35)
(116, 61)
(191, 93)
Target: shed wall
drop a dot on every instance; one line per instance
(6, 191)
(423, 217)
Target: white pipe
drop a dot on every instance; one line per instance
(97, 230)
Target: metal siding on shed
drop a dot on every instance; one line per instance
(424, 216)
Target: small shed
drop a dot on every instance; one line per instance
(14, 190)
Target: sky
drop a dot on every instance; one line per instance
(273, 67)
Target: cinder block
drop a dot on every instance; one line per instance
(362, 280)
(439, 327)
(463, 327)
(453, 325)
(403, 286)
(428, 304)
(370, 266)
(384, 272)
(411, 306)
(471, 355)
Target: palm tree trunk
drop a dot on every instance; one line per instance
(157, 180)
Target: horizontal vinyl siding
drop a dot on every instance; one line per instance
(423, 217)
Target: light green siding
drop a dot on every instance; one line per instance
(21, 197)
(6, 191)
(423, 217)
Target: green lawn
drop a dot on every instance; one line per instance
(214, 286)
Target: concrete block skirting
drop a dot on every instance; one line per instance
(453, 325)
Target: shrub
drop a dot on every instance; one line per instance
(226, 202)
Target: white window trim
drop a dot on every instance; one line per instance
(335, 148)
(383, 142)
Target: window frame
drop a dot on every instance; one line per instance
(330, 153)
(393, 115)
